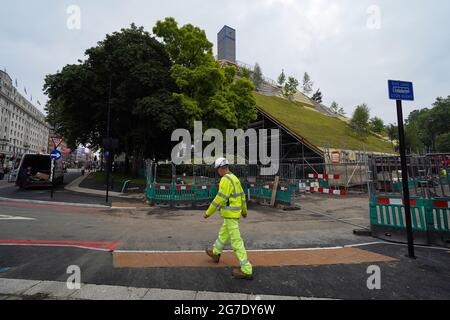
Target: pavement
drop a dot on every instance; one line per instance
(67, 193)
(74, 186)
(307, 253)
(14, 289)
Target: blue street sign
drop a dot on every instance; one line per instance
(56, 155)
(401, 90)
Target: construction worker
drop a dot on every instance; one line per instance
(231, 202)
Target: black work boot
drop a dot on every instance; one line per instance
(238, 274)
(215, 257)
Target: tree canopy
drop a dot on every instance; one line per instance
(153, 86)
(135, 68)
(360, 120)
(257, 76)
(206, 91)
(281, 79)
(429, 127)
(376, 125)
(290, 88)
(317, 96)
(307, 85)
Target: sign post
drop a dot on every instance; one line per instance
(399, 91)
(55, 156)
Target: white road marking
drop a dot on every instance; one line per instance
(5, 217)
(51, 245)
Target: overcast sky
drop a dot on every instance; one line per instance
(349, 47)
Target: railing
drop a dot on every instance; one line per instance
(197, 185)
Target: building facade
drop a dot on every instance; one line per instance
(226, 44)
(23, 128)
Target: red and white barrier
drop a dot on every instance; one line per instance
(441, 204)
(324, 176)
(394, 202)
(182, 187)
(204, 187)
(327, 191)
(162, 187)
(271, 187)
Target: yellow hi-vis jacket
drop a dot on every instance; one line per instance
(230, 199)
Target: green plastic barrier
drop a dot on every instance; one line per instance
(173, 194)
(388, 211)
(430, 219)
(440, 212)
(264, 192)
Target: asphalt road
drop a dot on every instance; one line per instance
(163, 229)
(424, 278)
(10, 190)
(428, 277)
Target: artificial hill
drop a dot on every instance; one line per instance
(303, 119)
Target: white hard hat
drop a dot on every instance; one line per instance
(221, 162)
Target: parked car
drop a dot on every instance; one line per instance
(35, 170)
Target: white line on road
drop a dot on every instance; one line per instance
(6, 217)
(67, 204)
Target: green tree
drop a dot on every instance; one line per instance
(206, 91)
(376, 125)
(413, 144)
(443, 143)
(244, 73)
(392, 132)
(307, 86)
(317, 96)
(290, 88)
(431, 123)
(341, 112)
(360, 120)
(281, 79)
(334, 107)
(135, 68)
(257, 76)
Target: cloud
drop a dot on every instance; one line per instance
(328, 39)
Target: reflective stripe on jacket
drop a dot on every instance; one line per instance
(230, 199)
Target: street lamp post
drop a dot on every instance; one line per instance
(108, 144)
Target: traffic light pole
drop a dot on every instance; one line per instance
(404, 166)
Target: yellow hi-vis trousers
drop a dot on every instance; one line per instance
(229, 232)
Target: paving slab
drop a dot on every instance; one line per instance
(51, 288)
(16, 287)
(102, 292)
(167, 294)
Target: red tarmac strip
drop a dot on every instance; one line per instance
(62, 243)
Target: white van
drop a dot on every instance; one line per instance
(35, 170)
